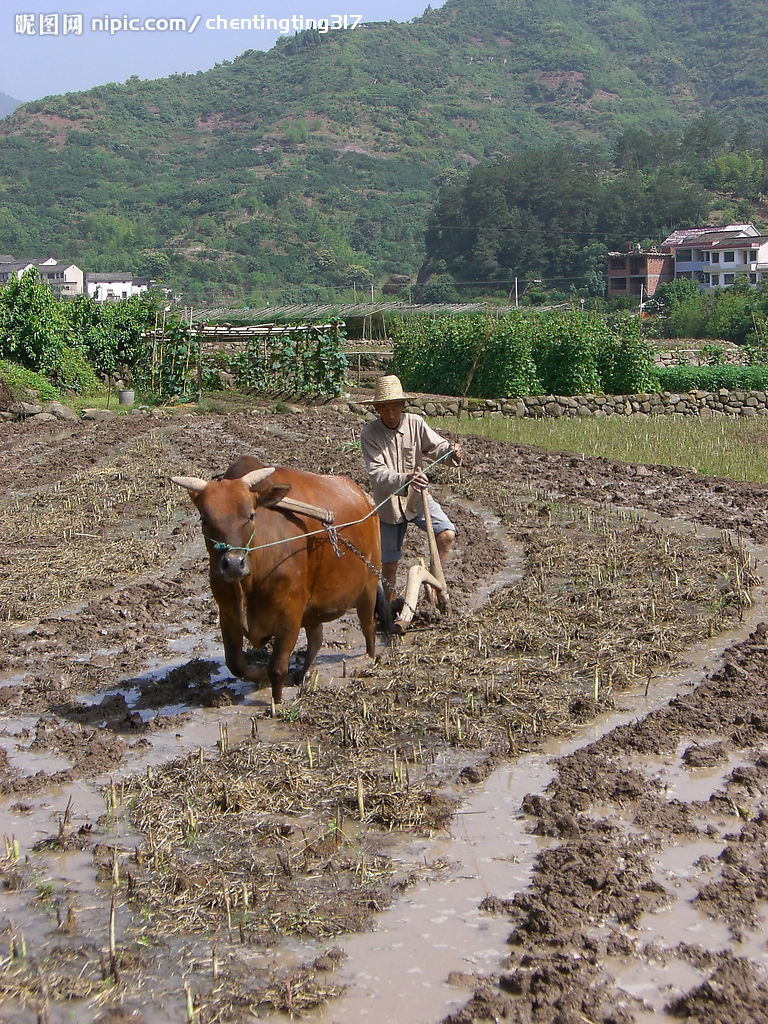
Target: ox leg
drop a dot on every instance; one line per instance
(277, 670)
(366, 607)
(232, 637)
(314, 643)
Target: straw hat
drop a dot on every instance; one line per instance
(388, 389)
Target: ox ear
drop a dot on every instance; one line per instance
(192, 483)
(271, 495)
(255, 477)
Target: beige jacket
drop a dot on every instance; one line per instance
(391, 455)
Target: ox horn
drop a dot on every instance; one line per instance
(256, 476)
(192, 483)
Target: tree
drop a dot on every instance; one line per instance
(704, 137)
(674, 293)
(154, 264)
(440, 288)
(356, 273)
(33, 328)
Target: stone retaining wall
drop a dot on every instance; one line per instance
(694, 353)
(694, 403)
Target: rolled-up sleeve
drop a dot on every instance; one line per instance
(432, 445)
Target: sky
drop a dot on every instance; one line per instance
(58, 46)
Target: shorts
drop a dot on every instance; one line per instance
(393, 534)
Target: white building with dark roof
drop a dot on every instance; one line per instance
(112, 287)
(61, 277)
(717, 257)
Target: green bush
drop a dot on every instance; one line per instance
(561, 353)
(20, 380)
(727, 313)
(110, 334)
(731, 315)
(74, 372)
(626, 358)
(566, 353)
(712, 378)
(481, 356)
(33, 328)
(507, 366)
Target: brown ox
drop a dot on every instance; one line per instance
(273, 571)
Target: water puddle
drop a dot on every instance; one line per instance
(440, 918)
(656, 982)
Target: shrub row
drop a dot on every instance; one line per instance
(565, 353)
(713, 378)
(67, 341)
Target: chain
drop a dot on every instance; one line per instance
(335, 537)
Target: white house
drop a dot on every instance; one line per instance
(113, 287)
(61, 277)
(716, 257)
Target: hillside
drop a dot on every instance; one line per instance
(286, 174)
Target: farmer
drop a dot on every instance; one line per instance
(395, 448)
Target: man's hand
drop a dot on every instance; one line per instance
(418, 481)
(458, 453)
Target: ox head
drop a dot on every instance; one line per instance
(228, 509)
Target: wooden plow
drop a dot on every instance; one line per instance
(432, 578)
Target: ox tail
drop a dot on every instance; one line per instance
(383, 612)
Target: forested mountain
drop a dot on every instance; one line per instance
(552, 214)
(290, 173)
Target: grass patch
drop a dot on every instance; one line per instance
(22, 382)
(718, 447)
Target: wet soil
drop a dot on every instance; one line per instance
(173, 850)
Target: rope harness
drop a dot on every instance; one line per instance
(331, 530)
(221, 545)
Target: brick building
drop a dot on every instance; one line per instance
(638, 272)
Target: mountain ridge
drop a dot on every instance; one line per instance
(302, 169)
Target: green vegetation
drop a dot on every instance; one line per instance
(298, 362)
(738, 314)
(67, 342)
(307, 360)
(309, 171)
(712, 378)
(110, 334)
(562, 353)
(21, 381)
(724, 446)
(552, 214)
(33, 325)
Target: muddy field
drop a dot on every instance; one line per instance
(592, 715)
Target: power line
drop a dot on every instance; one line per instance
(524, 280)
